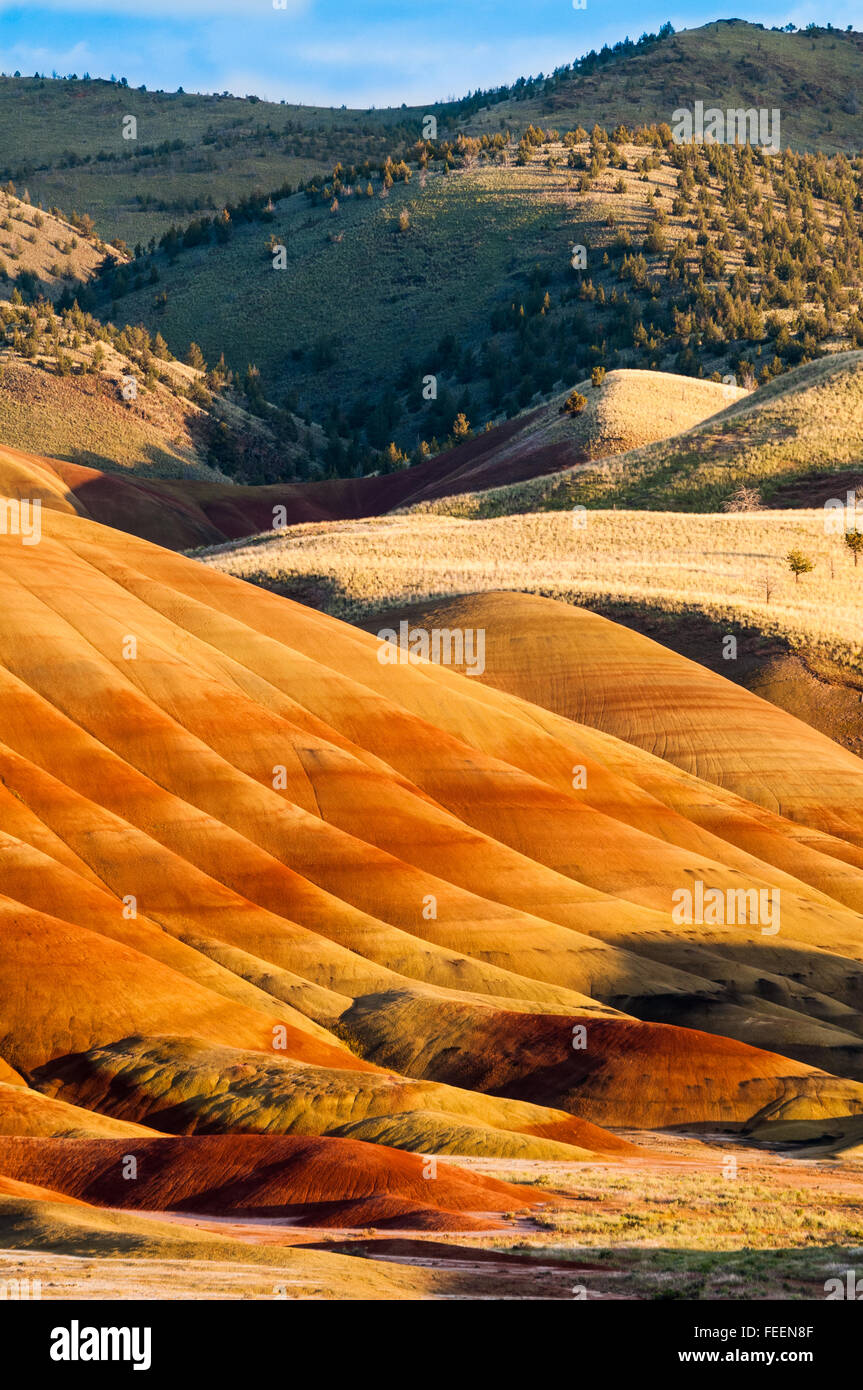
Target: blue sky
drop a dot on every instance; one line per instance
(357, 52)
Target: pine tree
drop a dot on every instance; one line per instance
(195, 358)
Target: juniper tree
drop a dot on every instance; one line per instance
(798, 563)
(854, 542)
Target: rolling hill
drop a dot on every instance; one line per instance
(384, 912)
(795, 442)
(116, 397)
(812, 75)
(697, 259)
(260, 871)
(711, 261)
(262, 1177)
(632, 407)
(249, 144)
(116, 400)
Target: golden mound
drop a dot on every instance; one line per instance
(32, 1192)
(808, 1131)
(609, 1071)
(259, 882)
(597, 672)
(108, 991)
(783, 441)
(632, 408)
(176, 1084)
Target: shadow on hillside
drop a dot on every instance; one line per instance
(152, 463)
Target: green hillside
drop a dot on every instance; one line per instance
(712, 262)
(63, 139)
(814, 76)
(451, 257)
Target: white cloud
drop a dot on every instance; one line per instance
(173, 9)
(78, 58)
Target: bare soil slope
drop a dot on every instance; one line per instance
(259, 883)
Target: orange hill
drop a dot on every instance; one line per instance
(320, 1181)
(257, 882)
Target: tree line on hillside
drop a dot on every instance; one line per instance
(70, 343)
(749, 264)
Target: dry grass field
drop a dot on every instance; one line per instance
(48, 246)
(728, 567)
(688, 1220)
(83, 418)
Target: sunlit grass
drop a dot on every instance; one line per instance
(729, 568)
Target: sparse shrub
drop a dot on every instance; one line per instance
(195, 358)
(654, 242)
(394, 459)
(597, 376)
(798, 563)
(199, 394)
(574, 403)
(854, 542)
(743, 499)
(461, 428)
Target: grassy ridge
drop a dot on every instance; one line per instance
(728, 568)
(231, 144)
(807, 424)
(811, 77)
(64, 141)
